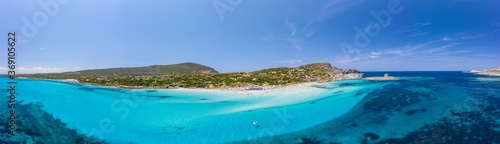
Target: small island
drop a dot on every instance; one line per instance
(196, 76)
(385, 77)
(489, 71)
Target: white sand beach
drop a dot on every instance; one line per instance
(70, 80)
(267, 98)
(266, 90)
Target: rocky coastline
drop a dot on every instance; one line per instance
(489, 71)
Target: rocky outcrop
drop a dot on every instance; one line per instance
(489, 71)
(351, 74)
(325, 72)
(319, 67)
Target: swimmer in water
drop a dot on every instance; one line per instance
(254, 122)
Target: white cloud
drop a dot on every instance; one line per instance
(374, 55)
(269, 37)
(311, 32)
(325, 12)
(441, 48)
(25, 70)
(293, 29)
(411, 49)
(294, 42)
(291, 61)
(461, 36)
(44, 69)
(292, 39)
(471, 37)
(434, 48)
(418, 34)
(430, 48)
(328, 11)
(411, 28)
(427, 23)
(453, 52)
(347, 60)
(497, 30)
(445, 39)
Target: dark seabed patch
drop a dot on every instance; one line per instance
(38, 126)
(362, 92)
(306, 140)
(85, 88)
(156, 96)
(337, 92)
(354, 125)
(369, 136)
(203, 99)
(163, 97)
(72, 83)
(414, 111)
(324, 87)
(442, 109)
(348, 84)
(479, 124)
(394, 97)
(462, 127)
(152, 91)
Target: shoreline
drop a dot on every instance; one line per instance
(487, 73)
(382, 78)
(57, 80)
(267, 90)
(71, 80)
(291, 88)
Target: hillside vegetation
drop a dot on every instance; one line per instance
(183, 68)
(192, 75)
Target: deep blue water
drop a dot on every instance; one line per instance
(420, 107)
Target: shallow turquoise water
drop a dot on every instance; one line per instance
(154, 116)
(342, 111)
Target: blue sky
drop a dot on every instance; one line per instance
(247, 35)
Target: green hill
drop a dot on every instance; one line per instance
(182, 68)
(192, 75)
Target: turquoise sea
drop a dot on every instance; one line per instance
(420, 107)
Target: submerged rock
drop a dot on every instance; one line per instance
(313, 140)
(38, 126)
(412, 112)
(371, 136)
